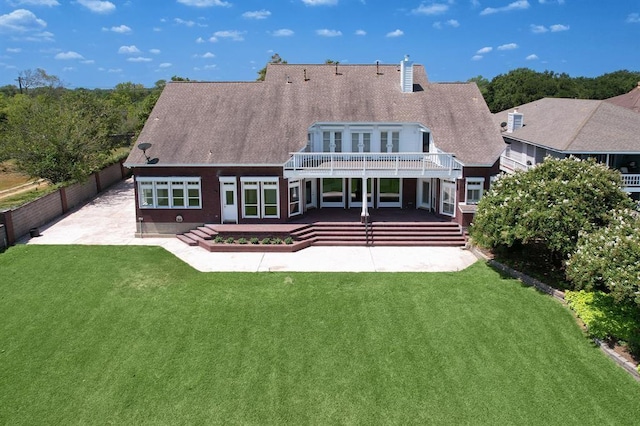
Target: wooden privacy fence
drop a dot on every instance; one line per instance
(27, 218)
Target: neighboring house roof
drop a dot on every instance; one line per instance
(576, 126)
(261, 123)
(629, 100)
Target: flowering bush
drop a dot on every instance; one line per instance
(608, 258)
(549, 204)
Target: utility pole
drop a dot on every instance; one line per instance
(20, 84)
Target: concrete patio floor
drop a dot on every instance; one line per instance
(109, 219)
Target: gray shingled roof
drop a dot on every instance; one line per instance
(577, 126)
(261, 123)
(629, 100)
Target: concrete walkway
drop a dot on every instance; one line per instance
(110, 220)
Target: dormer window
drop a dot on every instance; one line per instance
(361, 142)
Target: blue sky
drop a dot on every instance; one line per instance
(97, 44)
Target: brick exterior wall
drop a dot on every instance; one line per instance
(110, 175)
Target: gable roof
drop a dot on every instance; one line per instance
(630, 100)
(261, 123)
(576, 126)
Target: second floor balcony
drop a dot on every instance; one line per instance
(347, 164)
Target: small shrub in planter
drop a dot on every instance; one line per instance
(276, 241)
(230, 240)
(288, 240)
(242, 241)
(266, 241)
(218, 239)
(255, 240)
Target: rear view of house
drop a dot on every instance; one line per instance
(353, 137)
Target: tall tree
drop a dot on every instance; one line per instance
(59, 139)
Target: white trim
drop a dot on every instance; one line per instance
(260, 184)
(170, 184)
(473, 180)
(445, 185)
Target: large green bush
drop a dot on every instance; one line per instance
(605, 318)
(549, 205)
(608, 259)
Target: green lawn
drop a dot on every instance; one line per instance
(130, 335)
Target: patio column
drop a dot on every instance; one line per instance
(365, 204)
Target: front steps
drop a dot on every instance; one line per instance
(423, 234)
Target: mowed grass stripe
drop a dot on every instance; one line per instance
(94, 335)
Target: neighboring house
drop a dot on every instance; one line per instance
(630, 100)
(326, 136)
(572, 127)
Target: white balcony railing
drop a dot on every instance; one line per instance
(510, 165)
(631, 181)
(346, 164)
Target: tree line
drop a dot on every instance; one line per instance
(524, 85)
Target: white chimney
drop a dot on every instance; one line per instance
(406, 75)
(515, 121)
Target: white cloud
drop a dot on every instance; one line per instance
(508, 46)
(139, 59)
(532, 57)
(208, 55)
(233, 35)
(453, 23)
(42, 36)
(204, 3)
(88, 62)
(128, 50)
(633, 18)
(516, 5)
(257, 14)
(200, 40)
(475, 3)
(21, 21)
(431, 9)
(538, 29)
(210, 66)
(122, 29)
(98, 6)
(476, 57)
(320, 2)
(34, 3)
(559, 27)
(396, 33)
(328, 33)
(165, 65)
(65, 69)
(154, 51)
(14, 50)
(361, 33)
(484, 50)
(68, 55)
(551, 1)
(114, 70)
(283, 32)
(184, 22)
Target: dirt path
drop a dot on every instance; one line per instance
(25, 187)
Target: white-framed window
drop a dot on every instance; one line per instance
(295, 202)
(260, 197)
(389, 141)
(474, 189)
(448, 199)
(361, 142)
(331, 141)
(176, 192)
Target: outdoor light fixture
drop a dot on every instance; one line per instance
(144, 146)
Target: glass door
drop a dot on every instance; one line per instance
(424, 193)
(389, 192)
(355, 192)
(332, 192)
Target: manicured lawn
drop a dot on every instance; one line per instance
(130, 335)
